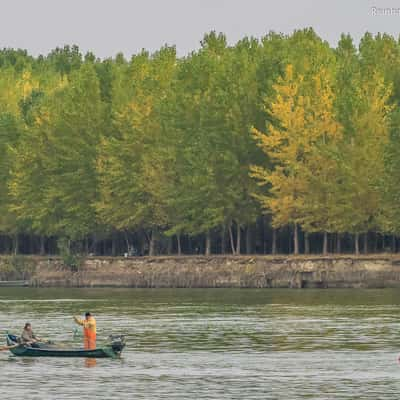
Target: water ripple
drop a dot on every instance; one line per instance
(211, 344)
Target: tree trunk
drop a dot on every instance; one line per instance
(7, 245)
(178, 240)
(325, 244)
(169, 245)
(356, 244)
(113, 245)
(31, 241)
(306, 243)
(296, 240)
(223, 244)
(264, 234)
(42, 245)
(151, 246)
(126, 237)
(16, 244)
(248, 240)
(208, 243)
(365, 243)
(238, 239)
(190, 245)
(94, 245)
(152, 243)
(338, 243)
(273, 249)
(143, 246)
(231, 240)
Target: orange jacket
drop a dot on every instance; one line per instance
(89, 327)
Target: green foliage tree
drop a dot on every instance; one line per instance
(54, 184)
(159, 146)
(132, 162)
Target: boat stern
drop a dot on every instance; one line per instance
(117, 343)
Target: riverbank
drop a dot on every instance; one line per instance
(372, 271)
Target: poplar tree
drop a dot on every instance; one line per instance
(362, 158)
(303, 121)
(54, 184)
(132, 162)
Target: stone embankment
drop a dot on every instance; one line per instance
(375, 271)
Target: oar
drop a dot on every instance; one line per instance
(5, 348)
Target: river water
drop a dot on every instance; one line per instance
(210, 344)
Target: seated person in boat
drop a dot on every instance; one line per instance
(89, 330)
(28, 337)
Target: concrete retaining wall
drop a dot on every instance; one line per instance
(221, 271)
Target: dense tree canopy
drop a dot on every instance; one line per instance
(247, 147)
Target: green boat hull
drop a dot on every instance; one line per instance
(23, 351)
(52, 351)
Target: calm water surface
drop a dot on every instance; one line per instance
(211, 344)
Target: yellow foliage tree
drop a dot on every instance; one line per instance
(302, 119)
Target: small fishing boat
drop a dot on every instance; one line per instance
(111, 350)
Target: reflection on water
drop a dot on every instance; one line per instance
(90, 362)
(210, 344)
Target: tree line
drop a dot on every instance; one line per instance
(282, 144)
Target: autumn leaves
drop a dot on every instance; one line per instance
(324, 177)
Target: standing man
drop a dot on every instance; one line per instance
(89, 330)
